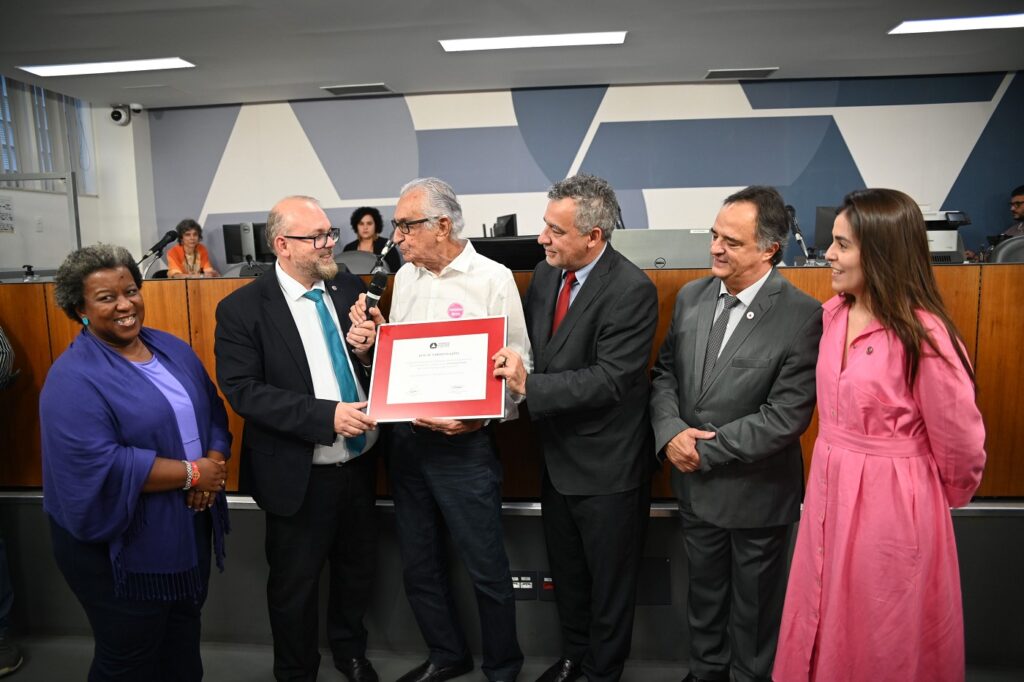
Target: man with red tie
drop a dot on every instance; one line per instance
(591, 316)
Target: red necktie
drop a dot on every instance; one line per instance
(562, 306)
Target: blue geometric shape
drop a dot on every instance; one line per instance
(705, 152)
(553, 122)
(187, 146)
(480, 160)
(864, 92)
(994, 168)
(367, 146)
(634, 209)
(829, 176)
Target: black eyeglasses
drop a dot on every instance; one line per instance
(319, 240)
(1013, 204)
(405, 226)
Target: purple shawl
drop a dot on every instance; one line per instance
(103, 424)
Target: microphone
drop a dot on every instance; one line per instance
(171, 236)
(375, 289)
(795, 227)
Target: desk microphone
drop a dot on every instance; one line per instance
(171, 236)
(795, 227)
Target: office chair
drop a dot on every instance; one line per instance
(357, 262)
(1009, 251)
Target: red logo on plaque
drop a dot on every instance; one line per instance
(455, 311)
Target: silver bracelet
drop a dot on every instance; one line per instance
(188, 474)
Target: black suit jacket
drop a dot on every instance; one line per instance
(263, 372)
(588, 392)
(759, 400)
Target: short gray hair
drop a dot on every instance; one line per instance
(278, 221)
(441, 200)
(596, 205)
(69, 283)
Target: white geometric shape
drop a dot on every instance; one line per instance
(267, 157)
(462, 110)
(688, 208)
(674, 102)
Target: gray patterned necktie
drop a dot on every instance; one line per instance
(716, 337)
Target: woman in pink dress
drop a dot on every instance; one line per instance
(874, 588)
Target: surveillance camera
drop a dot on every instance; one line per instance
(135, 107)
(120, 114)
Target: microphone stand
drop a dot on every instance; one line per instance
(152, 258)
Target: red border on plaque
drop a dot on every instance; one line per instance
(490, 407)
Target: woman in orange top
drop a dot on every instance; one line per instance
(189, 258)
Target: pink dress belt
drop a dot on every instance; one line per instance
(875, 446)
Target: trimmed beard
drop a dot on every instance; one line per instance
(320, 270)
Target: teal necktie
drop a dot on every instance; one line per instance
(346, 383)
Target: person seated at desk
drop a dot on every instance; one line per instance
(189, 258)
(367, 223)
(1017, 210)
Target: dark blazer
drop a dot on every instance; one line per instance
(588, 392)
(263, 373)
(759, 401)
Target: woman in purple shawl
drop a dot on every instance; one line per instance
(134, 443)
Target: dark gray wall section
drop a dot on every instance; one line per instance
(480, 160)
(990, 558)
(994, 168)
(367, 146)
(705, 152)
(553, 122)
(868, 92)
(187, 146)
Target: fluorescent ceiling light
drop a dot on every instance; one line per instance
(962, 24)
(107, 67)
(517, 42)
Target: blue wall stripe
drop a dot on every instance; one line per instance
(480, 160)
(553, 122)
(863, 92)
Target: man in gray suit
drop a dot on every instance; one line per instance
(591, 316)
(733, 389)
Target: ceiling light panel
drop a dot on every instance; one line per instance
(92, 68)
(521, 42)
(961, 24)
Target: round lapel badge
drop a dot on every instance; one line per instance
(455, 311)
(750, 315)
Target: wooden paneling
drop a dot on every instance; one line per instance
(993, 333)
(1000, 376)
(23, 317)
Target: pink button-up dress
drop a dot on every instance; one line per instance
(874, 588)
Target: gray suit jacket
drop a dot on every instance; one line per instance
(759, 401)
(589, 389)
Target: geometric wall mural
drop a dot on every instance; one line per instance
(672, 152)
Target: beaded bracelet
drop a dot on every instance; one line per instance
(189, 473)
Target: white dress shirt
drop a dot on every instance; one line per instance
(470, 286)
(325, 382)
(746, 297)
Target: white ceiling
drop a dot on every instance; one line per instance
(266, 50)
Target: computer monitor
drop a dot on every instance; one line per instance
(264, 254)
(505, 226)
(238, 242)
(658, 249)
(515, 253)
(824, 218)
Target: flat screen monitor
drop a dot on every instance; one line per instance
(238, 242)
(505, 226)
(264, 254)
(515, 253)
(824, 217)
(657, 249)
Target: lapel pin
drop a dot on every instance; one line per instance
(750, 315)
(334, 287)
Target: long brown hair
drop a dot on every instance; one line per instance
(898, 277)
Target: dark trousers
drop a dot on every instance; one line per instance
(594, 547)
(336, 524)
(455, 481)
(737, 588)
(135, 640)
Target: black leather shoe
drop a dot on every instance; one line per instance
(564, 670)
(428, 672)
(357, 669)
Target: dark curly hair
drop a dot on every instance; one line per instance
(362, 212)
(69, 287)
(186, 225)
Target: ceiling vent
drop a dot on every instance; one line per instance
(358, 90)
(739, 74)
